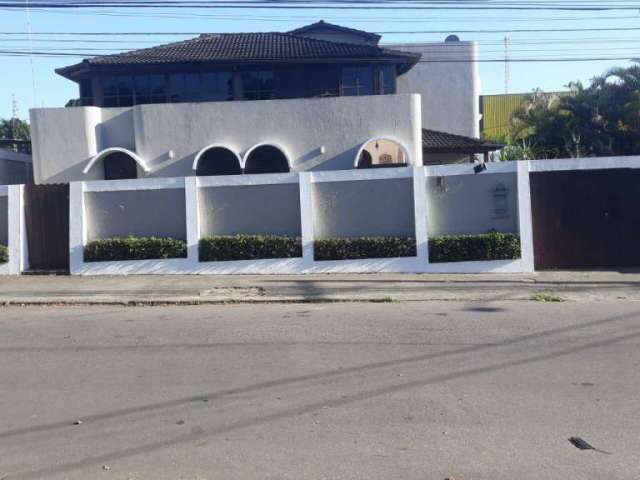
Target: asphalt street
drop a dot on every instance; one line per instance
(415, 390)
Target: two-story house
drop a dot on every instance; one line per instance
(322, 97)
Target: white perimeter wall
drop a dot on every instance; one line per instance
(465, 204)
(316, 134)
(380, 202)
(450, 90)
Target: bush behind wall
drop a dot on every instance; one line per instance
(356, 248)
(221, 248)
(134, 248)
(465, 248)
(451, 248)
(4, 254)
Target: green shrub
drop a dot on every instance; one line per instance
(4, 254)
(221, 248)
(463, 248)
(134, 248)
(364, 247)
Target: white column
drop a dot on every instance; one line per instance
(77, 227)
(420, 213)
(306, 217)
(192, 216)
(17, 230)
(524, 216)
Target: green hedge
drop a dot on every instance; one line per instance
(4, 254)
(364, 247)
(221, 248)
(463, 248)
(134, 248)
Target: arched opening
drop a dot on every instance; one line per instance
(117, 163)
(266, 159)
(217, 161)
(119, 166)
(382, 153)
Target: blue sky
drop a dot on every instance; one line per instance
(52, 90)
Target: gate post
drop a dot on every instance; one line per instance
(306, 217)
(524, 216)
(18, 251)
(192, 217)
(77, 227)
(420, 215)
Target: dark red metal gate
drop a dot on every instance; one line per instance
(586, 219)
(47, 222)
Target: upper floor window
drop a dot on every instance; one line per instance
(117, 91)
(257, 84)
(127, 90)
(217, 86)
(86, 92)
(357, 81)
(388, 79)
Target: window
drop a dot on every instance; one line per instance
(142, 84)
(109, 92)
(158, 89)
(125, 91)
(176, 87)
(86, 92)
(192, 87)
(257, 84)
(217, 86)
(388, 80)
(357, 81)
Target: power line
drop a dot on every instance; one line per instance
(584, 5)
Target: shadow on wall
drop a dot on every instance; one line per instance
(316, 161)
(116, 129)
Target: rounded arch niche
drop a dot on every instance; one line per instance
(266, 158)
(217, 160)
(118, 163)
(382, 153)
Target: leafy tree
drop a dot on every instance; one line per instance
(14, 129)
(74, 102)
(598, 120)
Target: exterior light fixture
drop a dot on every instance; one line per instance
(481, 167)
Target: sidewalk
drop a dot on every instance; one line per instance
(149, 290)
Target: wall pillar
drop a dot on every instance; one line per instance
(192, 216)
(524, 216)
(306, 217)
(18, 251)
(77, 226)
(420, 213)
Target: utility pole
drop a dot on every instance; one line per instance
(14, 116)
(31, 61)
(507, 65)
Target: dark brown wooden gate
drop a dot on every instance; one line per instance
(47, 219)
(586, 219)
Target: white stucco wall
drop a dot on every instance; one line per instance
(464, 204)
(450, 89)
(317, 134)
(143, 213)
(250, 209)
(364, 208)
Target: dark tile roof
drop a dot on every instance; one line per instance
(442, 142)
(247, 48)
(338, 28)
